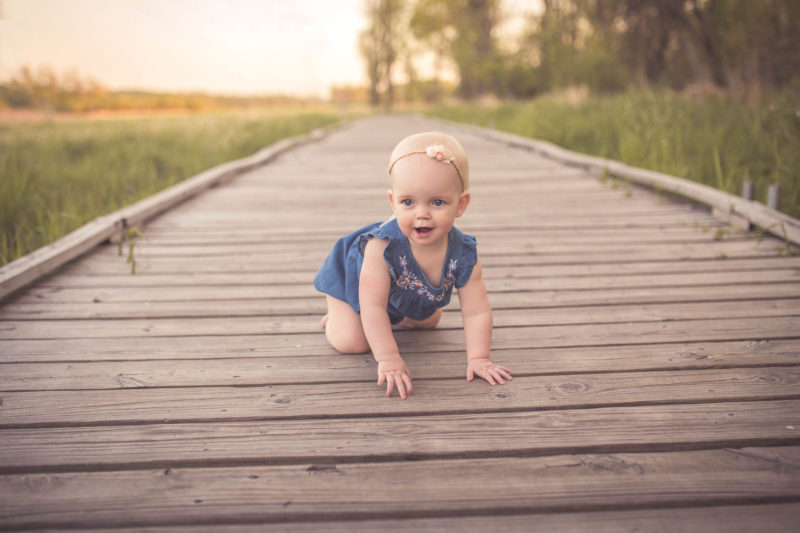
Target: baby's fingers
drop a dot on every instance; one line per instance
(407, 381)
(401, 387)
(496, 374)
(389, 384)
(487, 375)
(506, 373)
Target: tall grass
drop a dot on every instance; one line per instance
(716, 140)
(56, 176)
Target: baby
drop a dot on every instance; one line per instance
(402, 272)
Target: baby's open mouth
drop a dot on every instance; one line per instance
(423, 231)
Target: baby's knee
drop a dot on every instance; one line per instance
(351, 346)
(347, 344)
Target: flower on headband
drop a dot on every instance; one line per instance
(439, 153)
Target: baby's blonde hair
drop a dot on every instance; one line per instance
(431, 143)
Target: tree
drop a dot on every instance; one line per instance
(430, 26)
(733, 45)
(379, 45)
(461, 30)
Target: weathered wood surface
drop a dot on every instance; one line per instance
(656, 354)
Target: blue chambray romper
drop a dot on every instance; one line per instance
(411, 294)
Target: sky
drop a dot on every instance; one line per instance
(300, 47)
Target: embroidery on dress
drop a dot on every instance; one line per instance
(410, 281)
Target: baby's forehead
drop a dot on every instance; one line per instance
(413, 166)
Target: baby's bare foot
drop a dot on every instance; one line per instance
(324, 321)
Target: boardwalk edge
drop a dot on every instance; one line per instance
(728, 207)
(112, 227)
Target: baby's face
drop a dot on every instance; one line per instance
(426, 198)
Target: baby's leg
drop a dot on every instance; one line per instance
(428, 323)
(343, 328)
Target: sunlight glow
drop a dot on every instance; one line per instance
(300, 47)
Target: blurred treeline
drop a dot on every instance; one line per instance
(45, 90)
(742, 47)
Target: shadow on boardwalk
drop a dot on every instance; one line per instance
(656, 383)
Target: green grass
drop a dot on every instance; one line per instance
(56, 176)
(716, 140)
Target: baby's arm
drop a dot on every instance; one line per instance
(373, 295)
(476, 312)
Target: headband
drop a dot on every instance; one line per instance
(436, 152)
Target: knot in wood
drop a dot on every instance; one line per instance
(38, 481)
(323, 469)
(573, 387)
(280, 399)
(611, 463)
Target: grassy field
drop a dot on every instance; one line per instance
(716, 140)
(56, 176)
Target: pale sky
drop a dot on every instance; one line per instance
(218, 46)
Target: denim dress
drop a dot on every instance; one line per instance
(411, 294)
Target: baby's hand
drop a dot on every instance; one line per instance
(487, 370)
(395, 373)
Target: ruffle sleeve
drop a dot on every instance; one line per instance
(386, 231)
(467, 257)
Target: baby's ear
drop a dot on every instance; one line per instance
(391, 198)
(463, 202)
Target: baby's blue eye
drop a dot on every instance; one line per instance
(438, 203)
(407, 203)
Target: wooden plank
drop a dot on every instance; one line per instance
(659, 428)
(382, 490)
(488, 247)
(621, 295)
(96, 306)
(572, 216)
(46, 259)
(372, 195)
(696, 221)
(364, 398)
(260, 370)
(605, 199)
(692, 219)
(502, 256)
(496, 267)
(603, 286)
(767, 518)
(553, 192)
(422, 342)
(234, 240)
(100, 275)
(243, 325)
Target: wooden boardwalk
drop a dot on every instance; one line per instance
(656, 355)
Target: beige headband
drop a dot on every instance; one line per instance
(436, 152)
